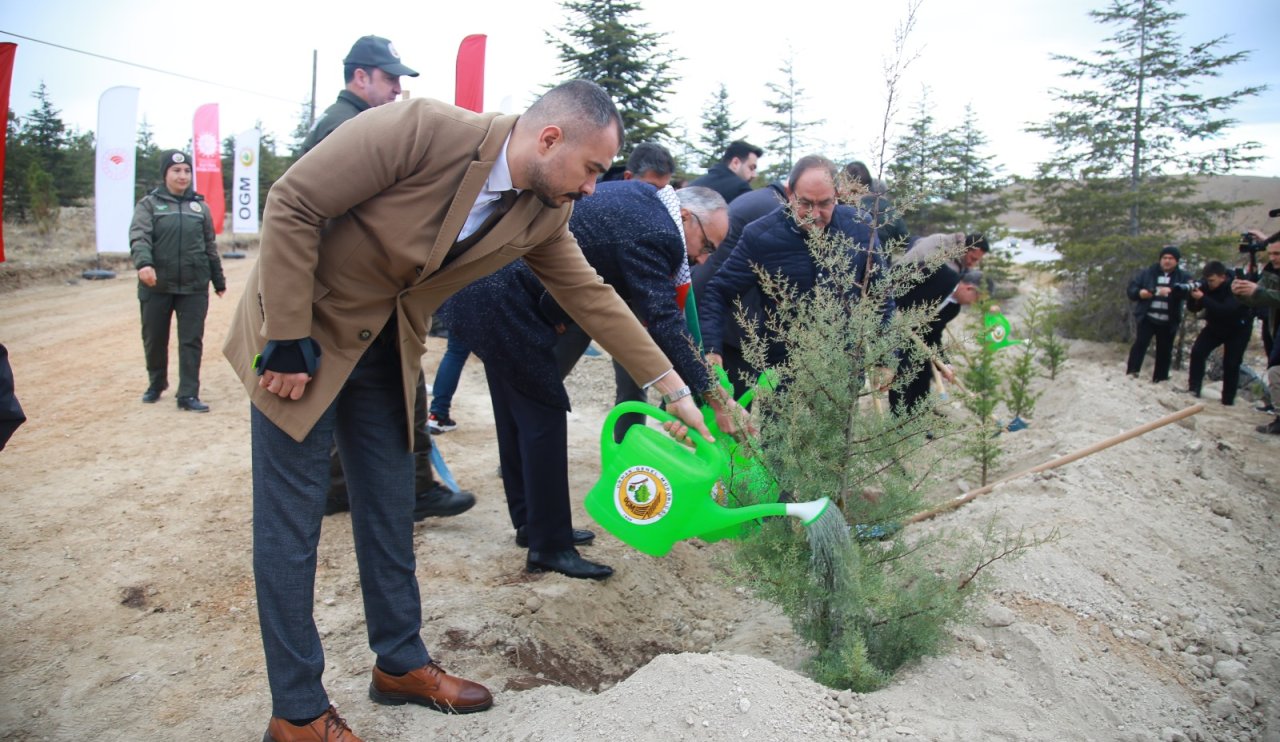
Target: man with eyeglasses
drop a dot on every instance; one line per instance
(640, 240)
(776, 245)
(372, 71)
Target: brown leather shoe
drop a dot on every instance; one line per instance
(328, 728)
(430, 686)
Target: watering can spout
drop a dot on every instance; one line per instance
(808, 512)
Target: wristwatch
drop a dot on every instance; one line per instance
(677, 395)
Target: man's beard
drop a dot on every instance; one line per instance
(539, 183)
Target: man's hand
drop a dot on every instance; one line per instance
(714, 359)
(220, 293)
(1197, 294)
(1241, 287)
(683, 408)
(948, 373)
(288, 386)
(147, 275)
(728, 415)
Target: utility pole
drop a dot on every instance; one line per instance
(311, 114)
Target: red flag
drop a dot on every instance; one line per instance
(7, 52)
(208, 157)
(468, 90)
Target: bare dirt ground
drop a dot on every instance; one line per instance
(127, 607)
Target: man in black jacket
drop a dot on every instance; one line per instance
(372, 71)
(732, 176)
(950, 291)
(777, 244)
(1157, 306)
(1228, 323)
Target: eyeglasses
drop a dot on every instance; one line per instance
(823, 205)
(708, 246)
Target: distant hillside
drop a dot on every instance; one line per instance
(1266, 191)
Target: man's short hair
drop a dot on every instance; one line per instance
(807, 163)
(977, 240)
(649, 157)
(1214, 268)
(349, 71)
(701, 201)
(577, 107)
(740, 150)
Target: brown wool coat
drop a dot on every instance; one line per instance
(357, 229)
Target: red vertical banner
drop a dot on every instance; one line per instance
(7, 53)
(468, 90)
(208, 157)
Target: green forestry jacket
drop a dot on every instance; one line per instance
(174, 235)
(1266, 296)
(343, 109)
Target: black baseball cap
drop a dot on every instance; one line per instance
(375, 51)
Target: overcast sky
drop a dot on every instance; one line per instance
(993, 54)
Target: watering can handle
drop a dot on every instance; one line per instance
(764, 382)
(704, 449)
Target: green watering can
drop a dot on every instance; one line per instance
(654, 491)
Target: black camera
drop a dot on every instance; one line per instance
(1188, 287)
(1250, 244)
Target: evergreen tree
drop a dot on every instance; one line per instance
(916, 169)
(789, 126)
(146, 162)
(1128, 142)
(973, 191)
(718, 128)
(601, 45)
(17, 159)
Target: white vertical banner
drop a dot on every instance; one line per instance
(244, 186)
(116, 164)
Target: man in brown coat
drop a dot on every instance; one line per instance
(362, 240)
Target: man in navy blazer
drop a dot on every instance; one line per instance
(640, 241)
(777, 244)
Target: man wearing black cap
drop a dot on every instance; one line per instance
(372, 70)
(1158, 310)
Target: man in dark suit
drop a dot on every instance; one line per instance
(633, 238)
(948, 290)
(732, 176)
(328, 341)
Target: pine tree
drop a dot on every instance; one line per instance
(718, 128)
(17, 159)
(1128, 143)
(621, 57)
(789, 127)
(916, 169)
(973, 190)
(146, 161)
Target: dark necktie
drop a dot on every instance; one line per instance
(501, 207)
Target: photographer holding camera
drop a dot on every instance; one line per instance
(1158, 293)
(1228, 323)
(1265, 293)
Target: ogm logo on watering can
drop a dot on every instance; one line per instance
(642, 494)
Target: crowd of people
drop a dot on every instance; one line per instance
(1228, 301)
(443, 212)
